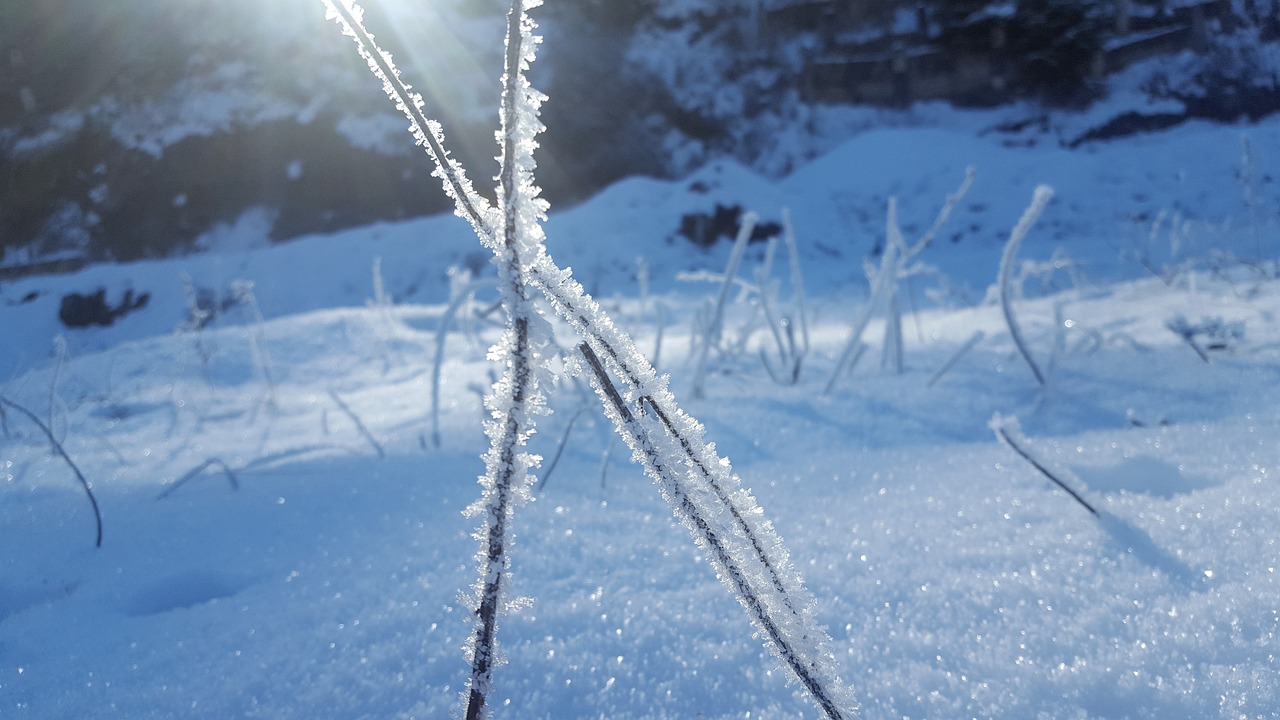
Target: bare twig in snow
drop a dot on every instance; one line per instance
(57, 447)
(359, 425)
(1007, 430)
(211, 462)
(974, 339)
(555, 459)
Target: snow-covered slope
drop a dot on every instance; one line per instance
(284, 540)
(1181, 195)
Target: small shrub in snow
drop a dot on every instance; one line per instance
(706, 229)
(1211, 333)
(895, 266)
(791, 352)
(80, 311)
(713, 329)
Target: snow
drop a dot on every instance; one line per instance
(197, 108)
(954, 579)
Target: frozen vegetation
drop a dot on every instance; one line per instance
(283, 536)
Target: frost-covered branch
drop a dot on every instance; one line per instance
(746, 550)
(948, 207)
(560, 446)
(685, 445)
(791, 354)
(516, 397)
(751, 576)
(346, 409)
(882, 284)
(797, 278)
(442, 331)
(426, 132)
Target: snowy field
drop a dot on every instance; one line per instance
(312, 564)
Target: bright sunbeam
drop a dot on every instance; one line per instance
(446, 50)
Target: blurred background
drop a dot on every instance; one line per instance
(135, 128)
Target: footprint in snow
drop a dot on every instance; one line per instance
(183, 590)
(1142, 474)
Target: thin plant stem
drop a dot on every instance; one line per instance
(651, 457)
(1010, 439)
(519, 381)
(973, 340)
(715, 327)
(359, 425)
(57, 447)
(564, 441)
(1040, 198)
(231, 477)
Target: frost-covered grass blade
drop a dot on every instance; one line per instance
(748, 554)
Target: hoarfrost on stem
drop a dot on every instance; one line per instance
(700, 486)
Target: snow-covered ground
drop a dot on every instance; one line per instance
(313, 568)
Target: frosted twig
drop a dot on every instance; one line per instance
(515, 398)
(792, 633)
(895, 265)
(427, 132)
(722, 494)
(291, 453)
(1039, 199)
(647, 451)
(767, 290)
(892, 351)
(848, 360)
(882, 282)
(242, 291)
(661, 313)
(605, 458)
(715, 327)
(790, 355)
(1250, 194)
(797, 279)
(60, 352)
(706, 276)
(944, 214)
(1185, 330)
(57, 447)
